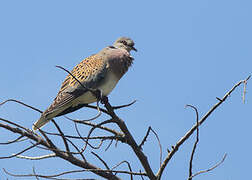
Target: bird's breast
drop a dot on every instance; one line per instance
(109, 83)
(106, 86)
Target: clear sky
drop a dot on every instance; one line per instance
(189, 52)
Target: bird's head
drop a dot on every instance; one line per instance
(125, 43)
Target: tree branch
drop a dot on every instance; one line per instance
(190, 132)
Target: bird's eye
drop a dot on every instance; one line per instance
(124, 42)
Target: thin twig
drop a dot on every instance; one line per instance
(93, 128)
(74, 171)
(100, 127)
(63, 137)
(20, 102)
(87, 120)
(210, 169)
(33, 170)
(141, 175)
(244, 89)
(128, 164)
(60, 67)
(190, 132)
(14, 155)
(37, 157)
(159, 143)
(94, 137)
(15, 124)
(86, 140)
(13, 141)
(103, 162)
(145, 138)
(196, 142)
(122, 106)
(95, 107)
(109, 144)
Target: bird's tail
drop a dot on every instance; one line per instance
(39, 123)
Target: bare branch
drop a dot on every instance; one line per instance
(70, 172)
(101, 127)
(15, 124)
(93, 128)
(131, 176)
(244, 89)
(63, 137)
(103, 162)
(20, 102)
(141, 175)
(33, 170)
(159, 143)
(210, 169)
(130, 140)
(48, 144)
(60, 67)
(126, 105)
(109, 145)
(196, 142)
(190, 132)
(14, 155)
(91, 119)
(37, 158)
(114, 107)
(86, 140)
(13, 141)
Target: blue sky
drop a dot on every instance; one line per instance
(189, 52)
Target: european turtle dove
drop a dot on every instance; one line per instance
(100, 71)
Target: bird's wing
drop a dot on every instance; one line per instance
(89, 72)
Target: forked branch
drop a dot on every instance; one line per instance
(201, 121)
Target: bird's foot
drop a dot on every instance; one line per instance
(104, 99)
(99, 95)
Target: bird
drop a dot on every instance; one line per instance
(100, 71)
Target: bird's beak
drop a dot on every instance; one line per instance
(133, 48)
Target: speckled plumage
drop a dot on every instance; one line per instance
(100, 71)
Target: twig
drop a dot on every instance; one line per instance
(74, 171)
(37, 157)
(210, 169)
(87, 120)
(63, 137)
(93, 128)
(196, 142)
(20, 102)
(190, 132)
(141, 175)
(15, 124)
(244, 89)
(103, 162)
(94, 137)
(60, 67)
(109, 144)
(122, 106)
(145, 138)
(13, 141)
(159, 143)
(97, 115)
(33, 170)
(14, 155)
(114, 107)
(128, 164)
(86, 140)
(100, 127)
